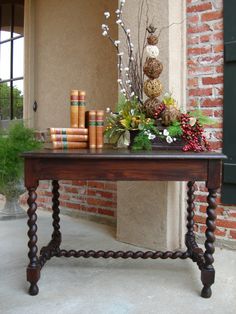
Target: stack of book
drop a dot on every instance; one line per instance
(74, 138)
(86, 127)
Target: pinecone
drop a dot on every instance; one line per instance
(152, 68)
(150, 107)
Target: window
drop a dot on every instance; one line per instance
(11, 59)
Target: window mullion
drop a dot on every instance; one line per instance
(11, 65)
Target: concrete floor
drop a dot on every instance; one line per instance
(96, 286)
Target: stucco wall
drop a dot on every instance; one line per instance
(70, 53)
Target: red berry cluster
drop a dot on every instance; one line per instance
(159, 110)
(193, 135)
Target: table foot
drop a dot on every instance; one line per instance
(207, 278)
(206, 292)
(33, 289)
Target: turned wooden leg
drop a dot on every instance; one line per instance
(56, 235)
(33, 269)
(208, 272)
(190, 209)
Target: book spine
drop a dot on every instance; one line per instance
(81, 109)
(69, 131)
(92, 128)
(99, 128)
(69, 145)
(68, 138)
(74, 108)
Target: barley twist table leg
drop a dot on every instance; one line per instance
(190, 209)
(33, 269)
(208, 271)
(56, 235)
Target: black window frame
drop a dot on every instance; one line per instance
(11, 40)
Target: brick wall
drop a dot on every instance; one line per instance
(205, 90)
(93, 199)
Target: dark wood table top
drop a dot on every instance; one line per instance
(111, 153)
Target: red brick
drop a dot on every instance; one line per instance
(220, 69)
(198, 70)
(100, 202)
(193, 82)
(200, 92)
(233, 234)
(73, 205)
(226, 223)
(211, 60)
(208, 102)
(193, 19)
(210, 16)
(218, 113)
(192, 40)
(90, 209)
(205, 38)
(199, 51)
(199, 219)
(96, 184)
(218, 48)
(71, 189)
(105, 212)
(218, 36)
(198, 29)
(218, 232)
(212, 80)
(199, 7)
(219, 210)
(215, 145)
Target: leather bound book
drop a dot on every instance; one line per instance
(81, 109)
(74, 108)
(69, 145)
(99, 128)
(91, 120)
(69, 138)
(69, 131)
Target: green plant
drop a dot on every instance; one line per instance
(13, 142)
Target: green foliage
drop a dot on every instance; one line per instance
(175, 129)
(142, 142)
(5, 102)
(13, 143)
(202, 119)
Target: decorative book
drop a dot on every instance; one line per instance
(99, 128)
(69, 131)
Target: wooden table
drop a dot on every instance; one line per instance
(116, 165)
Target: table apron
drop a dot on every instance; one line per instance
(115, 170)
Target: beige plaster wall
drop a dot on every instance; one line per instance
(69, 53)
(151, 214)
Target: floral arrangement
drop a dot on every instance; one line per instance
(145, 123)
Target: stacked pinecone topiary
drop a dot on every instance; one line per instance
(152, 69)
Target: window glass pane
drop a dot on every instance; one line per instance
(5, 21)
(4, 101)
(18, 99)
(18, 57)
(18, 20)
(5, 57)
